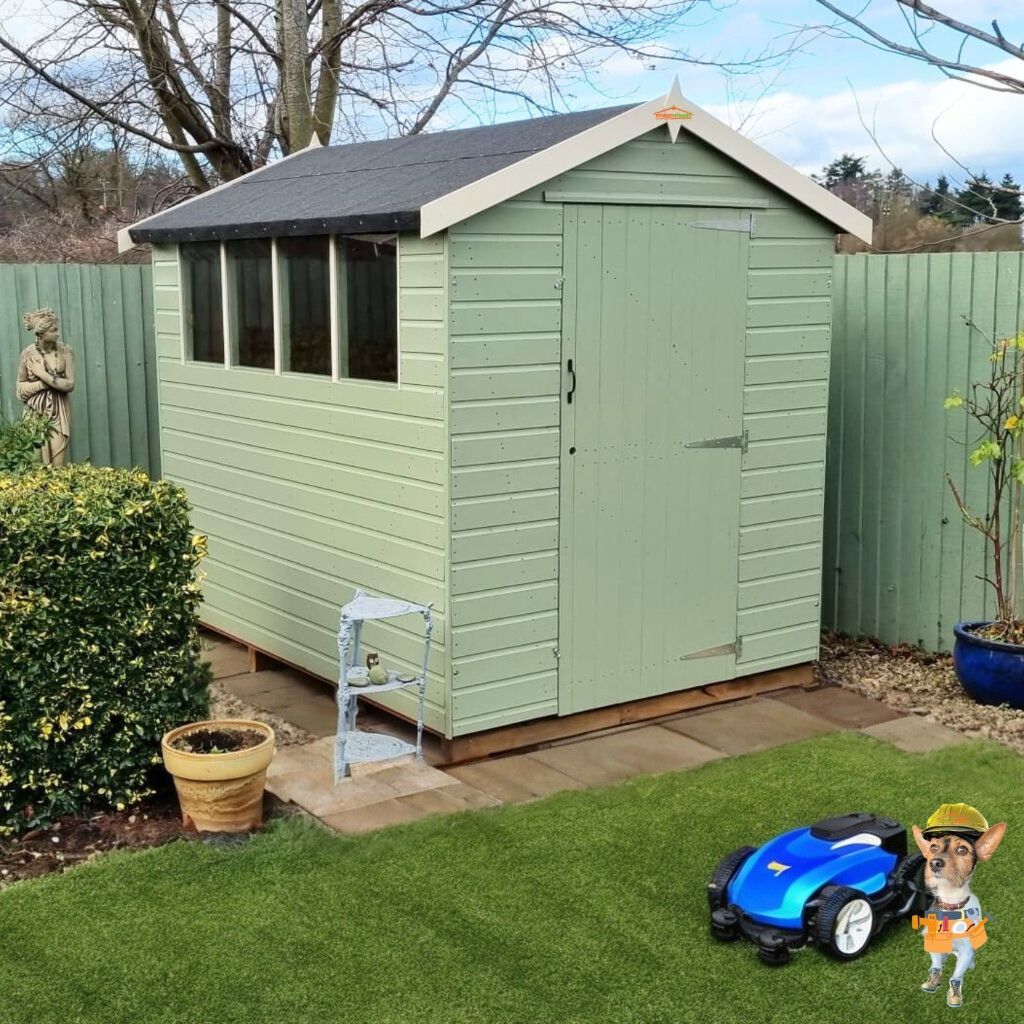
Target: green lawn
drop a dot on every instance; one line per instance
(586, 907)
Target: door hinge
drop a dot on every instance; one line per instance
(744, 224)
(740, 441)
(714, 652)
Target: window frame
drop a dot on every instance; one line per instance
(186, 340)
(336, 298)
(229, 277)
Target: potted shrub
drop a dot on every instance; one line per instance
(219, 769)
(988, 656)
(99, 645)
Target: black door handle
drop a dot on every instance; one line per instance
(572, 390)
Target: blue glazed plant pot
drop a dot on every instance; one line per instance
(991, 672)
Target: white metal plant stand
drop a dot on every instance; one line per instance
(351, 745)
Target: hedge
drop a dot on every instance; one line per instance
(20, 441)
(99, 646)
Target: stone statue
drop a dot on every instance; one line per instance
(46, 378)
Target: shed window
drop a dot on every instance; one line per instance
(304, 271)
(368, 296)
(251, 302)
(307, 304)
(204, 318)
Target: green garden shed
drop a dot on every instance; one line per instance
(564, 378)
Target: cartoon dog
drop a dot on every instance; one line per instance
(953, 840)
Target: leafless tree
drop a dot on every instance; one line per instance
(936, 38)
(225, 84)
(940, 40)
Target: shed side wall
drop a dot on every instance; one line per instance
(309, 488)
(505, 401)
(505, 323)
(785, 403)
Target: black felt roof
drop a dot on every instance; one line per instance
(364, 187)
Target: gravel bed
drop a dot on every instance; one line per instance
(913, 681)
(224, 704)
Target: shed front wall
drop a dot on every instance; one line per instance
(506, 268)
(308, 488)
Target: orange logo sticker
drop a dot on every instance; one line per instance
(673, 113)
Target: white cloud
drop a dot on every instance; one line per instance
(977, 126)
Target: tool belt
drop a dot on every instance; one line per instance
(941, 931)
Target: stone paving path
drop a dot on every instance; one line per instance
(405, 792)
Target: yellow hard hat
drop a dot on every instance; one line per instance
(956, 819)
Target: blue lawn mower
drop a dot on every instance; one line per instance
(834, 884)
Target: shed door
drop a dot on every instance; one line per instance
(654, 326)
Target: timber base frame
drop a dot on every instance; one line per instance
(541, 732)
(544, 731)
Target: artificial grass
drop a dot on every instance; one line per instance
(587, 907)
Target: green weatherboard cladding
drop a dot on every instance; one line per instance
(687, 322)
(309, 488)
(106, 316)
(899, 562)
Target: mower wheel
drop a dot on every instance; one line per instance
(725, 925)
(722, 875)
(908, 880)
(772, 950)
(844, 923)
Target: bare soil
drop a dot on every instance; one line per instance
(225, 740)
(73, 840)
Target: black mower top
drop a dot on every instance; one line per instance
(845, 826)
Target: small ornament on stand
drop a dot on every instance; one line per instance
(357, 676)
(377, 673)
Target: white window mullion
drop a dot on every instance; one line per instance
(332, 273)
(275, 288)
(225, 301)
(398, 313)
(184, 308)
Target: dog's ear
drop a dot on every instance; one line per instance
(922, 843)
(988, 841)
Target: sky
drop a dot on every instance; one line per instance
(836, 93)
(828, 98)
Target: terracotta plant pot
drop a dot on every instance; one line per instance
(220, 792)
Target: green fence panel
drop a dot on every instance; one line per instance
(899, 564)
(106, 315)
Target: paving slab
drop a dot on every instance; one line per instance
(316, 716)
(373, 816)
(226, 658)
(616, 756)
(268, 682)
(915, 735)
(515, 779)
(843, 707)
(755, 725)
(299, 758)
(411, 778)
(448, 799)
(314, 791)
(304, 775)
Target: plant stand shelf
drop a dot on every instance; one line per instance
(351, 745)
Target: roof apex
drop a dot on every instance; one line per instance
(679, 114)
